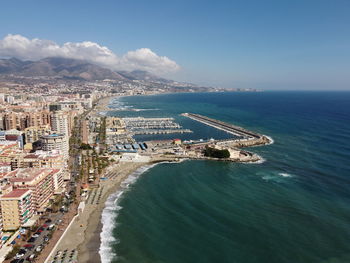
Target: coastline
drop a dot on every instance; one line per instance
(85, 234)
(88, 250)
(92, 240)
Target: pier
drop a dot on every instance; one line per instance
(229, 128)
(141, 123)
(160, 131)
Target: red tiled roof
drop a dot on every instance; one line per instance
(15, 193)
(31, 156)
(11, 137)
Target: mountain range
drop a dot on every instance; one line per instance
(71, 69)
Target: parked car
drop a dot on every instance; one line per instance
(31, 240)
(39, 248)
(22, 251)
(19, 255)
(28, 246)
(31, 257)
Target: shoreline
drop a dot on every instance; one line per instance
(89, 249)
(85, 234)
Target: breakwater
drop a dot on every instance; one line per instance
(233, 129)
(245, 138)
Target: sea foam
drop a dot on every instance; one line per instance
(262, 160)
(276, 177)
(110, 214)
(285, 175)
(270, 139)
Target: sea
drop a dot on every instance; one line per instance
(293, 207)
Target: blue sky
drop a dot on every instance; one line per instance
(299, 44)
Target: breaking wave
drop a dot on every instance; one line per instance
(276, 177)
(110, 213)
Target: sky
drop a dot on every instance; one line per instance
(268, 44)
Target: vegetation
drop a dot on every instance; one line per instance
(216, 153)
(102, 135)
(14, 251)
(58, 202)
(85, 146)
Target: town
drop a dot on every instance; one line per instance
(57, 150)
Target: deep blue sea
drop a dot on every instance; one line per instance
(292, 208)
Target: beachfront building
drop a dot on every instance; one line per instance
(5, 188)
(57, 142)
(43, 182)
(39, 159)
(16, 208)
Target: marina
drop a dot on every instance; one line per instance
(143, 132)
(150, 123)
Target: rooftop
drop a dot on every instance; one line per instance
(54, 135)
(29, 174)
(16, 193)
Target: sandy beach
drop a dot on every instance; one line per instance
(88, 250)
(84, 233)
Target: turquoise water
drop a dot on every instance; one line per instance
(294, 207)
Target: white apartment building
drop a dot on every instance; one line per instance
(60, 122)
(56, 142)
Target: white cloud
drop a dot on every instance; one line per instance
(34, 49)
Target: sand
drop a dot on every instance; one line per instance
(84, 233)
(88, 251)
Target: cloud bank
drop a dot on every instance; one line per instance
(34, 49)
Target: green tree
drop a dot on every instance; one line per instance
(216, 153)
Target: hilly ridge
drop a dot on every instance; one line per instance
(69, 68)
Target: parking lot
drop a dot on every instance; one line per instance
(38, 239)
(41, 235)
